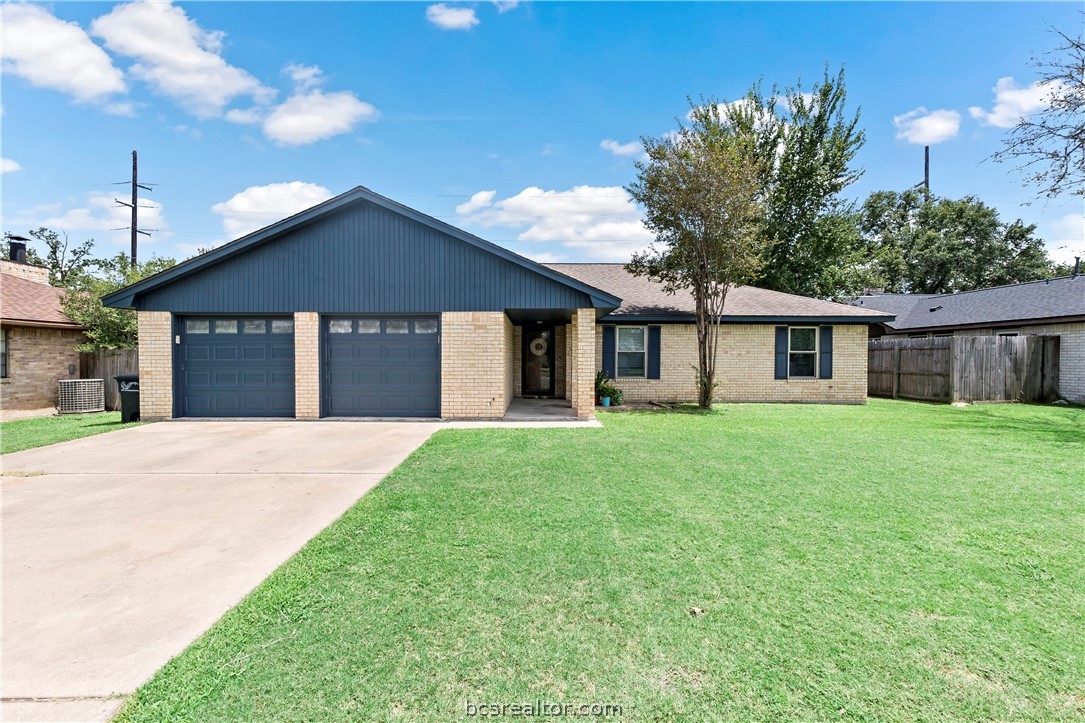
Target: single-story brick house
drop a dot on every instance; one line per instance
(1052, 307)
(361, 306)
(37, 341)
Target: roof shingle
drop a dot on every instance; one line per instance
(1033, 300)
(28, 302)
(643, 297)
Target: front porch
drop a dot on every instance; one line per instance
(527, 363)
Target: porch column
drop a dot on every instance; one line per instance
(306, 365)
(581, 369)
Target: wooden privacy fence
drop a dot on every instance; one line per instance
(965, 368)
(106, 364)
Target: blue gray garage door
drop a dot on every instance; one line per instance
(236, 367)
(381, 367)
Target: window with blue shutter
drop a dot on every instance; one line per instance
(609, 349)
(825, 352)
(781, 352)
(654, 334)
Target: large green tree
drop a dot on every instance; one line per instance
(64, 259)
(807, 143)
(942, 245)
(108, 328)
(700, 192)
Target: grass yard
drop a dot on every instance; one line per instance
(22, 434)
(898, 561)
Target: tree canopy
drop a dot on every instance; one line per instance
(700, 192)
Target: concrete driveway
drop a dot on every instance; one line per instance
(119, 550)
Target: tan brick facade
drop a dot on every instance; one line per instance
(306, 365)
(581, 359)
(478, 364)
(37, 359)
(746, 368)
(155, 364)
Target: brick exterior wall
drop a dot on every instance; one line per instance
(155, 365)
(581, 359)
(477, 364)
(306, 365)
(745, 368)
(37, 358)
(38, 274)
(1071, 353)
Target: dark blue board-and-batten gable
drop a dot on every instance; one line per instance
(359, 253)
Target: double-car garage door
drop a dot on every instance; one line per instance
(369, 366)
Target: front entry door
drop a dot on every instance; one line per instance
(538, 356)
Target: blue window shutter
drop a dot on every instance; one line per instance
(609, 349)
(653, 352)
(781, 352)
(826, 353)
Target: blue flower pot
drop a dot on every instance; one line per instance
(606, 401)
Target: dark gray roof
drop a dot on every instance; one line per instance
(643, 298)
(1034, 301)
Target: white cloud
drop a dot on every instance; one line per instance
(177, 57)
(312, 116)
(480, 200)
(602, 221)
(1012, 102)
(309, 114)
(503, 6)
(99, 217)
(51, 53)
(259, 206)
(1069, 238)
(632, 148)
(450, 18)
(924, 127)
(128, 110)
(9, 166)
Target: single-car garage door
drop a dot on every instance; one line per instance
(381, 367)
(236, 367)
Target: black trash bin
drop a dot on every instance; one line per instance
(129, 387)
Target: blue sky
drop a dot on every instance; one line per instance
(512, 120)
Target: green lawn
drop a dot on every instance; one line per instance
(898, 561)
(39, 431)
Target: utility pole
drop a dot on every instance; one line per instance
(134, 205)
(927, 175)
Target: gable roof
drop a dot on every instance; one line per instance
(1032, 301)
(29, 303)
(644, 299)
(126, 297)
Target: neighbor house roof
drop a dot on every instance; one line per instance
(1033, 302)
(29, 303)
(644, 299)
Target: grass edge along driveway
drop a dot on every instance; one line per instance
(19, 434)
(896, 561)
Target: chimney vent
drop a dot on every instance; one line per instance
(17, 251)
(1077, 266)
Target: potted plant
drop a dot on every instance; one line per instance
(605, 393)
(601, 379)
(616, 396)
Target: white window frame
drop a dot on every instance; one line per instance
(1007, 332)
(618, 346)
(815, 352)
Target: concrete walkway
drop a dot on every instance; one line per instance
(120, 549)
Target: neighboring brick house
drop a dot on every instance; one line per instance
(363, 307)
(37, 342)
(1054, 307)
